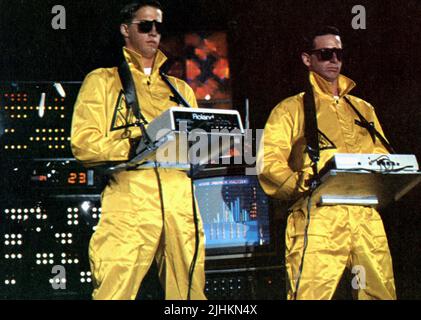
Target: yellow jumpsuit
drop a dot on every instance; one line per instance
(133, 230)
(338, 236)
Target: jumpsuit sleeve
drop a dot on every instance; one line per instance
(90, 140)
(275, 174)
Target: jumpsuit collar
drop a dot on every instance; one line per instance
(135, 59)
(324, 87)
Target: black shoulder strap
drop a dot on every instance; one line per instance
(178, 97)
(311, 129)
(130, 90)
(311, 132)
(370, 127)
(132, 102)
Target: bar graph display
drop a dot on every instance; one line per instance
(234, 211)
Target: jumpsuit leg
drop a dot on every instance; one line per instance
(370, 257)
(123, 246)
(176, 253)
(326, 255)
(127, 240)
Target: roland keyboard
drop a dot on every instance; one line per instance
(173, 132)
(373, 162)
(366, 179)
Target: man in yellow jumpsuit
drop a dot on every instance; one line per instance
(337, 236)
(136, 227)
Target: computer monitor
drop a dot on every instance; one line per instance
(235, 214)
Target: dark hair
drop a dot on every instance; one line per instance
(128, 12)
(308, 41)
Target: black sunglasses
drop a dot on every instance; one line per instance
(326, 54)
(145, 26)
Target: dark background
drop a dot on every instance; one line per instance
(263, 39)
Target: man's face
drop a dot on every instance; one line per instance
(328, 69)
(145, 43)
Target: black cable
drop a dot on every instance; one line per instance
(300, 269)
(196, 225)
(161, 198)
(197, 239)
(161, 193)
